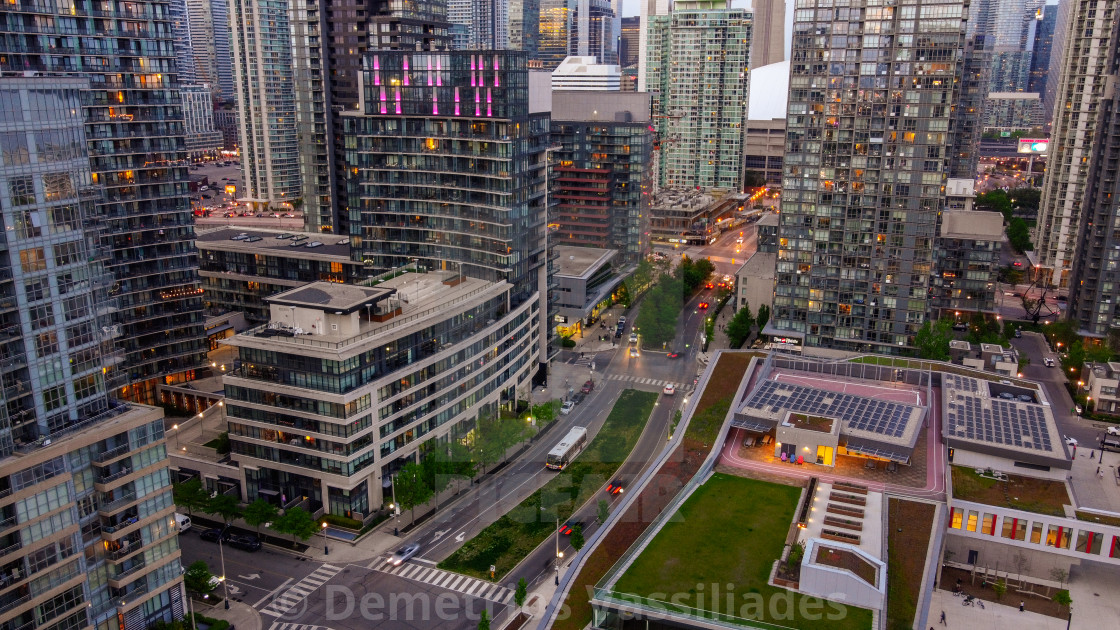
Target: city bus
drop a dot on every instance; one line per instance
(562, 454)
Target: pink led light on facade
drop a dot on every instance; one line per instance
(456, 101)
(376, 62)
(435, 104)
(495, 71)
(489, 98)
(429, 71)
(439, 70)
(397, 98)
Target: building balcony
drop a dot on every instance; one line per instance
(106, 457)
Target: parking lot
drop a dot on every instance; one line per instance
(216, 204)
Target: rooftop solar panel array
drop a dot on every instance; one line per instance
(1005, 422)
(860, 413)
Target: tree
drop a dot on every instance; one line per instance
(604, 511)
(224, 506)
(521, 593)
(222, 446)
(739, 328)
(796, 554)
(762, 317)
(190, 495)
(493, 437)
(484, 620)
(999, 588)
(753, 179)
(1062, 598)
(577, 538)
(411, 488)
(932, 340)
(1019, 235)
(1059, 575)
(296, 522)
(198, 577)
(260, 512)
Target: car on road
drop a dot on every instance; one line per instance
(578, 397)
(633, 353)
(709, 286)
(567, 408)
(669, 389)
(214, 534)
(1049, 362)
(245, 543)
(703, 306)
(587, 387)
(1018, 333)
(569, 526)
(1016, 264)
(1070, 441)
(674, 355)
(633, 337)
(1113, 430)
(404, 553)
(615, 487)
(960, 326)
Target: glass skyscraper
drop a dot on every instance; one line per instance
(134, 137)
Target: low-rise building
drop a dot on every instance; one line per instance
(768, 233)
(1012, 111)
(584, 73)
(585, 280)
(346, 383)
(1101, 382)
(239, 272)
(690, 217)
(754, 281)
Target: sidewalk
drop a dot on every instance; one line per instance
(240, 615)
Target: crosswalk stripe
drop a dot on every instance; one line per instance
(475, 586)
(300, 590)
(445, 580)
(472, 587)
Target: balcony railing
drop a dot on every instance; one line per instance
(116, 503)
(114, 476)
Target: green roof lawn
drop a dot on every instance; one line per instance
(729, 532)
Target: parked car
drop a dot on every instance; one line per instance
(404, 553)
(578, 397)
(214, 534)
(1113, 430)
(587, 387)
(182, 522)
(245, 542)
(567, 408)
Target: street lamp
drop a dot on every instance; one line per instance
(396, 508)
(222, 552)
(559, 554)
(323, 530)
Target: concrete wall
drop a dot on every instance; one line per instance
(968, 459)
(839, 584)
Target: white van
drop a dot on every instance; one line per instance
(182, 522)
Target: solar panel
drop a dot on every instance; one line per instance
(856, 412)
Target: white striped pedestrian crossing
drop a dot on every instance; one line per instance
(643, 380)
(466, 585)
(295, 626)
(294, 595)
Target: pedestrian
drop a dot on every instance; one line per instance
(943, 622)
(1022, 605)
(1098, 470)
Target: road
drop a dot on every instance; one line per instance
(1033, 346)
(334, 592)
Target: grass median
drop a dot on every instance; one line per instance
(513, 536)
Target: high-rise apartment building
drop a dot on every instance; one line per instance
(697, 72)
(485, 24)
(1081, 88)
(648, 11)
(134, 137)
(1057, 58)
(1009, 27)
(201, 33)
(184, 41)
(1047, 17)
(266, 101)
(768, 36)
(867, 155)
(602, 174)
(198, 121)
(1093, 295)
(88, 539)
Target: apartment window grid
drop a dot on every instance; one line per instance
(865, 161)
